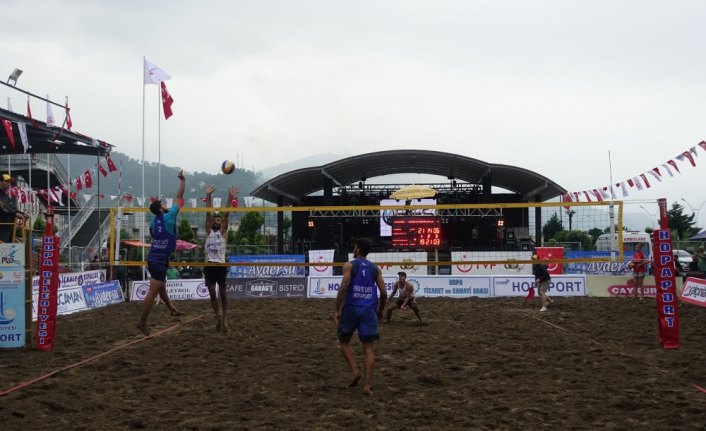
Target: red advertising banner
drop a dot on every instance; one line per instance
(48, 288)
(667, 305)
(551, 253)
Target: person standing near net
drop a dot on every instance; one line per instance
(163, 231)
(358, 307)
(406, 298)
(541, 279)
(639, 266)
(217, 228)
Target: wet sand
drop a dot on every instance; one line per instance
(588, 363)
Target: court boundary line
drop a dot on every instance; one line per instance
(613, 350)
(90, 359)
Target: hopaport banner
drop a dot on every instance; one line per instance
(48, 291)
(273, 287)
(667, 304)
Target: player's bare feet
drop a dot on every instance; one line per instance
(219, 323)
(143, 328)
(176, 313)
(367, 391)
(225, 327)
(354, 382)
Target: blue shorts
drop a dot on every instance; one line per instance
(158, 270)
(363, 319)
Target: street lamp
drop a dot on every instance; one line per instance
(652, 216)
(695, 212)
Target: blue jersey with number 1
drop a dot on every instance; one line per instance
(362, 291)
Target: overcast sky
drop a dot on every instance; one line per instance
(551, 86)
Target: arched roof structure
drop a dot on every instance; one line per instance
(294, 185)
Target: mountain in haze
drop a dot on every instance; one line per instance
(306, 162)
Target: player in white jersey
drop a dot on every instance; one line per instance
(217, 228)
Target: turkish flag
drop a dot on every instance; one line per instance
(167, 101)
(111, 165)
(102, 169)
(79, 186)
(8, 129)
(29, 114)
(69, 123)
(87, 180)
(234, 202)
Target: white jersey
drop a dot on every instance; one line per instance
(215, 247)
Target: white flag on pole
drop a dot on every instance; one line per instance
(50, 114)
(154, 75)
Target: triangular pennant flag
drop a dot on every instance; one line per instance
(112, 197)
(687, 155)
(604, 193)
(631, 183)
(168, 202)
(597, 194)
(637, 183)
(216, 202)
(8, 130)
(702, 144)
(192, 202)
(644, 180)
(655, 174)
(23, 196)
(623, 188)
(87, 197)
(693, 151)
(140, 201)
(67, 120)
(673, 164)
(588, 198)
(128, 198)
(658, 174)
(668, 169)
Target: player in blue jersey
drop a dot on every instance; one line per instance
(359, 304)
(163, 231)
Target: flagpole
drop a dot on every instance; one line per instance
(68, 190)
(142, 225)
(611, 210)
(159, 145)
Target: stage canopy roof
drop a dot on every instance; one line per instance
(293, 186)
(48, 139)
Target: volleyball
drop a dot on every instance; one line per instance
(227, 167)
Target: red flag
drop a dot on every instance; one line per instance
(234, 202)
(597, 194)
(686, 154)
(128, 198)
(102, 169)
(8, 129)
(644, 180)
(530, 294)
(702, 144)
(630, 183)
(69, 123)
(23, 196)
(29, 114)
(111, 165)
(153, 199)
(588, 198)
(166, 101)
(87, 179)
(78, 183)
(674, 165)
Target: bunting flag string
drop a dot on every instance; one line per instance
(640, 181)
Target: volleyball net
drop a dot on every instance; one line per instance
(459, 236)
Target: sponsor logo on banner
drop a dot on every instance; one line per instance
(490, 268)
(70, 300)
(12, 310)
(75, 279)
(667, 305)
(283, 287)
(408, 259)
(257, 271)
(176, 289)
(321, 256)
(327, 287)
(560, 285)
(452, 287)
(694, 291)
(100, 295)
(549, 253)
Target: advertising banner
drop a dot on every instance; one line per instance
(551, 253)
(694, 291)
(102, 294)
(76, 279)
(48, 292)
(275, 287)
(12, 295)
(452, 287)
(321, 256)
(178, 290)
(407, 257)
(560, 285)
(667, 305)
(266, 270)
(597, 268)
(491, 268)
(617, 287)
(327, 287)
